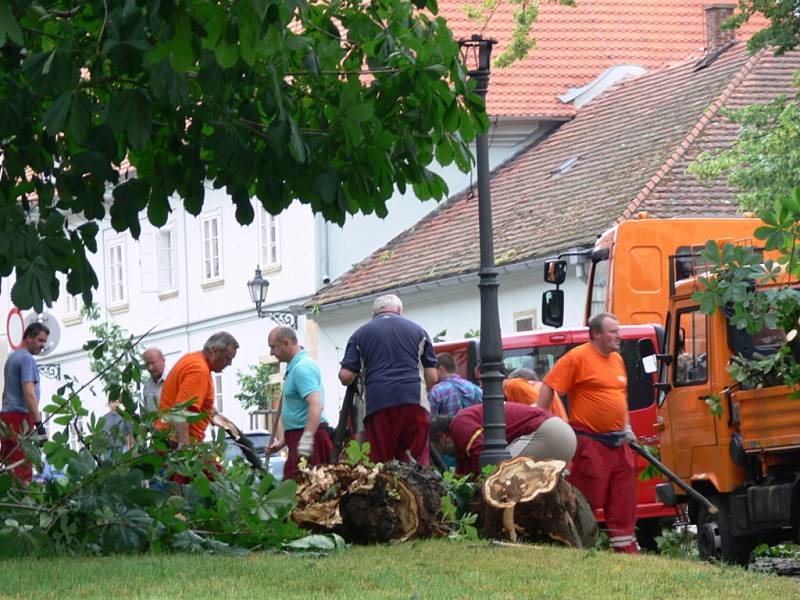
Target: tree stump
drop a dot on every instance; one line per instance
(532, 500)
(395, 502)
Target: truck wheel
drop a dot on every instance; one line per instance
(714, 538)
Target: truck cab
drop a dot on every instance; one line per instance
(539, 351)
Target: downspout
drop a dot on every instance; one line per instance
(324, 251)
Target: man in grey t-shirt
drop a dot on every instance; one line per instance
(20, 410)
(151, 392)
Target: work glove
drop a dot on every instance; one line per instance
(305, 447)
(630, 436)
(41, 433)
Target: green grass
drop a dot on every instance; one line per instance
(430, 569)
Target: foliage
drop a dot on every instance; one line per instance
(472, 333)
(521, 39)
(455, 505)
(356, 453)
(764, 164)
(714, 403)
(439, 337)
(783, 31)
(255, 389)
(111, 354)
(744, 287)
(677, 542)
(766, 371)
(778, 551)
(332, 104)
(110, 500)
(650, 471)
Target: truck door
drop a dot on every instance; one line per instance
(690, 423)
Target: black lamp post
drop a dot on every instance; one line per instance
(258, 293)
(476, 52)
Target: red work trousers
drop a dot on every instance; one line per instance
(320, 455)
(11, 450)
(607, 478)
(394, 431)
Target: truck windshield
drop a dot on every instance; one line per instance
(598, 289)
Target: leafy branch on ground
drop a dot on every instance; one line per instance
(97, 497)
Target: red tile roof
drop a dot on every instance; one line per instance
(632, 144)
(575, 45)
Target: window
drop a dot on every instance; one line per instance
(268, 240)
(116, 280)
(212, 248)
(218, 391)
(540, 360)
(599, 287)
(525, 320)
(691, 362)
(158, 259)
(167, 268)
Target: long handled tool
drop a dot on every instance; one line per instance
(345, 416)
(693, 493)
(276, 419)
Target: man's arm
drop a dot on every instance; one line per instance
(545, 397)
(314, 402)
(346, 376)
(431, 376)
(31, 402)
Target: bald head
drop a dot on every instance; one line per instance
(154, 362)
(283, 343)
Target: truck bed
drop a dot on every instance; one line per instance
(768, 419)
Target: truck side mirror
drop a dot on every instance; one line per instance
(553, 308)
(555, 271)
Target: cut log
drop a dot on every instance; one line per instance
(395, 502)
(532, 500)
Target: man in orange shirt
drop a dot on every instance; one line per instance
(190, 378)
(594, 377)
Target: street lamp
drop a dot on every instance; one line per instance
(258, 293)
(475, 53)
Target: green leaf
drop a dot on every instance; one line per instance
(180, 47)
(297, 146)
(226, 55)
(55, 117)
(9, 25)
(202, 486)
(281, 499)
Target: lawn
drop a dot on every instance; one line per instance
(429, 569)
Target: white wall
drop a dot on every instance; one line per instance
(363, 234)
(455, 308)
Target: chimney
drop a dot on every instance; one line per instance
(717, 37)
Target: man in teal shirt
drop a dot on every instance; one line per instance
(302, 428)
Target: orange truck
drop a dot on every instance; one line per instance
(539, 351)
(744, 456)
(629, 271)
